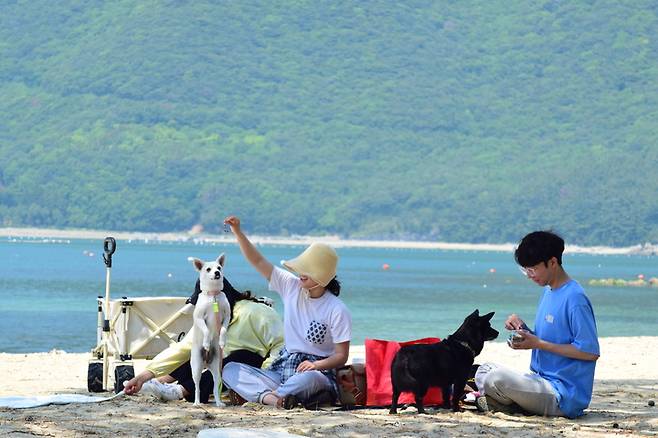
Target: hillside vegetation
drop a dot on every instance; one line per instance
(453, 121)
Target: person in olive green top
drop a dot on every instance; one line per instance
(254, 337)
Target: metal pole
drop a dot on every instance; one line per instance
(106, 329)
(99, 322)
(109, 246)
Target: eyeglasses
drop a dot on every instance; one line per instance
(528, 272)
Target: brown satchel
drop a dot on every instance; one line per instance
(352, 384)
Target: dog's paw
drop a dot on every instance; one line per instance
(220, 404)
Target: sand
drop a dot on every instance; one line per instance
(626, 381)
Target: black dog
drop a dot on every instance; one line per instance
(446, 364)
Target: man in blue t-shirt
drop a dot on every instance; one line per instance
(564, 343)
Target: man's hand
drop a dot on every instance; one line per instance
(528, 341)
(515, 323)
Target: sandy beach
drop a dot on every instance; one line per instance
(335, 241)
(626, 382)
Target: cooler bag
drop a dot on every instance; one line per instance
(352, 384)
(379, 356)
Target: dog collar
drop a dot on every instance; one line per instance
(468, 347)
(213, 293)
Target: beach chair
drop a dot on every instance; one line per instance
(139, 328)
(132, 328)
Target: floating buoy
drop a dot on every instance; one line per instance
(492, 270)
(386, 266)
(169, 275)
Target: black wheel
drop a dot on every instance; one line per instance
(122, 373)
(95, 377)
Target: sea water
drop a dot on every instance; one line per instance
(49, 288)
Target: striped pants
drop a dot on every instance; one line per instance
(252, 383)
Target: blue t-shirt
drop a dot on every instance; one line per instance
(565, 316)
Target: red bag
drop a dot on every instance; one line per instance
(379, 355)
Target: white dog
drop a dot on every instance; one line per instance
(211, 318)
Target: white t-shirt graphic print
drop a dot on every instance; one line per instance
(310, 325)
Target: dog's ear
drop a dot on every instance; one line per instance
(472, 316)
(488, 316)
(198, 263)
(221, 259)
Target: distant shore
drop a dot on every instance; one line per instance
(335, 241)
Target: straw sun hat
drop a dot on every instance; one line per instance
(317, 262)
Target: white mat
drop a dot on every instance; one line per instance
(239, 432)
(19, 402)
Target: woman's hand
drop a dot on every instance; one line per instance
(248, 250)
(134, 385)
(336, 360)
(307, 365)
(233, 222)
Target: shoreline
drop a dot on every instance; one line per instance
(14, 234)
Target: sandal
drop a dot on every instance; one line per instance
(322, 398)
(288, 402)
(235, 398)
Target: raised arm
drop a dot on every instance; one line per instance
(248, 250)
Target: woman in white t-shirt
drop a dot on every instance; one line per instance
(317, 328)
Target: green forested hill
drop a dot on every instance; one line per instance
(470, 121)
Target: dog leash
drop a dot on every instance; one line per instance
(20, 402)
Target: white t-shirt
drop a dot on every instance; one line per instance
(310, 325)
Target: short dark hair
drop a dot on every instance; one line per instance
(333, 286)
(539, 246)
